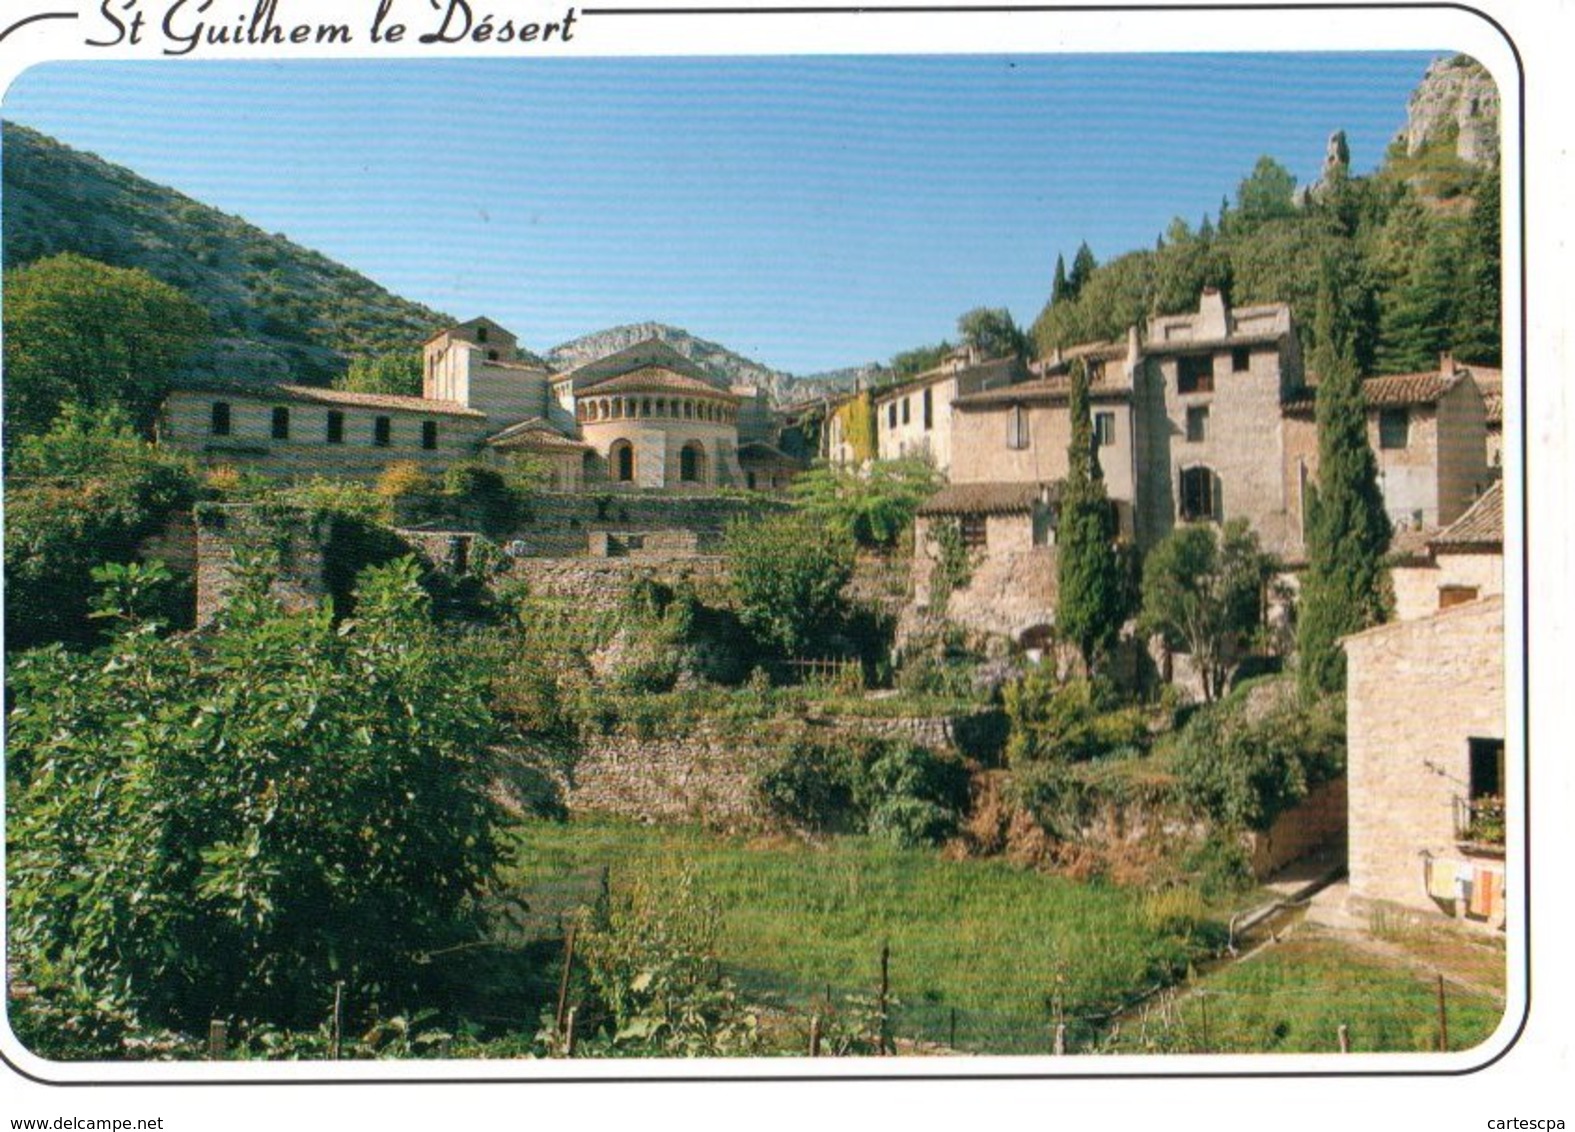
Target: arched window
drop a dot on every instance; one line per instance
(645, 407)
(621, 459)
(691, 462)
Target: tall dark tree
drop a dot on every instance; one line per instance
(1059, 289)
(1479, 332)
(1346, 588)
(1083, 265)
(1419, 320)
(1095, 591)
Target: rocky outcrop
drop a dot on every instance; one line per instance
(1457, 98)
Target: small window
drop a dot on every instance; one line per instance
(975, 531)
(1240, 359)
(891, 415)
(1197, 424)
(1450, 596)
(481, 334)
(1199, 497)
(1394, 428)
(905, 410)
(492, 355)
(929, 410)
(1487, 768)
(1104, 429)
(382, 431)
(1195, 374)
(429, 435)
(219, 420)
(1017, 428)
(336, 427)
(281, 423)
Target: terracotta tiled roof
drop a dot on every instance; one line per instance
(269, 391)
(537, 435)
(1406, 389)
(1410, 544)
(1480, 528)
(988, 498)
(655, 379)
(1043, 390)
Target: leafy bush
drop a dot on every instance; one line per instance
(652, 962)
(86, 493)
(900, 792)
(405, 477)
(499, 509)
(1071, 721)
(873, 506)
(228, 824)
(1245, 769)
(788, 572)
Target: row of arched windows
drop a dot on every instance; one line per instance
(626, 408)
(693, 463)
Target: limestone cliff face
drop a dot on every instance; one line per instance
(1456, 97)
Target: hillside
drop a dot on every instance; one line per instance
(279, 310)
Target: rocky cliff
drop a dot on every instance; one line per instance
(1457, 105)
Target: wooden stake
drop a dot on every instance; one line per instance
(951, 1041)
(1345, 1039)
(885, 988)
(1443, 1019)
(339, 1019)
(1059, 1048)
(814, 1035)
(568, 1034)
(218, 1040)
(563, 983)
(1203, 1006)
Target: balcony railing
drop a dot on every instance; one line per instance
(1479, 821)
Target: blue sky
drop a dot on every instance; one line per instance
(810, 213)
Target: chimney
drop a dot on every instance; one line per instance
(1446, 364)
(1213, 321)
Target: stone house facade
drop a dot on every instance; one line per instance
(914, 419)
(1454, 566)
(1425, 763)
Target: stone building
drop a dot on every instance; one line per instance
(1459, 564)
(914, 419)
(1425, 763)
(643, 418)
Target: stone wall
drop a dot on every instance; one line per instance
(223, 530)
(1417, 693)
(600, 583)
(1318, 821)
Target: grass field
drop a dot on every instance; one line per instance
(1004, 948)
(1293, 997)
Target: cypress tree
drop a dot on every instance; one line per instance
(1420, 319)
(1058, 289)
(1094, 596)
(1478, 335)
(1083, 265)
(1346, 587)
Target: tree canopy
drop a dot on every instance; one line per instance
(79, 331)
(993, 333)
(788, 572)
(398, 372)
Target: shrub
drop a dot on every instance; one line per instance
(498, 508)
(873, 506)
(405, 477)
(228, 824)
(1071, 721)
(810, 785)
(788, 573)
(1245, 769)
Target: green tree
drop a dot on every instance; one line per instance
(1204, 594)
(1060, 289)
(84, 494)
(1094, 592)
(1479, 331)
(398, 372)
(1268, 192)
(1346, 588)
(229, 824)
(79, 331)
(788, 572)
(911, 363)
(992, 333)
(1419, 321)
(1083, 265)
(875, 506)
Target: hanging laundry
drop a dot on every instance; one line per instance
(1440, 879)
(1484, 886)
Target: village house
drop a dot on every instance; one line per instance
(643, 418)
(913, 420)
(1425, 720)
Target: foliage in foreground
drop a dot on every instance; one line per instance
(230, 823)
(1068, 721)
(875, 505)
(788, 572)
(1244, 768)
